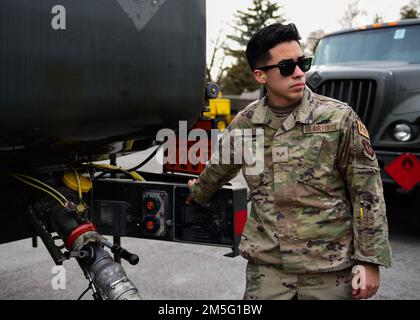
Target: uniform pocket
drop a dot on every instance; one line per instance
(320, 184)
(253, 181)
(316, 169)
(253, 157)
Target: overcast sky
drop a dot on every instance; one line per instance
(308, 15)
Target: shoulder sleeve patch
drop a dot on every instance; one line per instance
(361, 129)
(368, 151)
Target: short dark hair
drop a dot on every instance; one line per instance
(257, 50)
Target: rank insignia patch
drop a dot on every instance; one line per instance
(280, 154)
(362, 129)
(368, 151)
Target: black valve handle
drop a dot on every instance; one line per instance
(132, 258)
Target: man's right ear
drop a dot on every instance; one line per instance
(260, 76)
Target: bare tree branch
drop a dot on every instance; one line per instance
(350, 15)
(218, 45)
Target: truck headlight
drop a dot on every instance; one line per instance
(402, 132)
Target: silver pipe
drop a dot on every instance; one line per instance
(108, 276)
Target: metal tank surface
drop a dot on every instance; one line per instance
(85, 79)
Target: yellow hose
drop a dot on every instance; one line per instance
(42, 189)
(42, 183)
(133, 174)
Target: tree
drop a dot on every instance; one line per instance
(411, 10)
(312, 40)
(238, 77)
(378, 18)
(218, 45)
(351, 15)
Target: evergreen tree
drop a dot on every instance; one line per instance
(239, 77)
(411, 10)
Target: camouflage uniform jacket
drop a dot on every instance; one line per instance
(318, 206)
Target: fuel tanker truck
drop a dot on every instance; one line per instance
(85, 81)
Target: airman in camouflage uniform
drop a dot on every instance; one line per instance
(317, 207)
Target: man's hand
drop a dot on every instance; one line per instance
(190, 184)
(368, 281)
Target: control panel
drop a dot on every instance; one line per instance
(157, 210)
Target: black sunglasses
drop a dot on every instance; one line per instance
(287, 67)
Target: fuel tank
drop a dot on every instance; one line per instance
(81, 80)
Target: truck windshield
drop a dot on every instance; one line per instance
(388, 44)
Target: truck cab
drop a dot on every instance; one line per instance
(376, 70)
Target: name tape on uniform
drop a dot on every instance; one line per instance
(319, 128)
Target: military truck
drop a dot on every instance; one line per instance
(376, 70)
(85, 81)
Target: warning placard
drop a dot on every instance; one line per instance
(405, 170)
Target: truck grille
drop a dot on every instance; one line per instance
(359, 94)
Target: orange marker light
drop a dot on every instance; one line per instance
(150, 225)
(150, 205)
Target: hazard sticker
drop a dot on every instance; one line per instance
(362, 129)
(405, 170)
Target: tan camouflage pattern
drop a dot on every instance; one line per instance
(270, 282)
(302, 217)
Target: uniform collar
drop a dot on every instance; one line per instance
(263, 115)
(306, 107)
(303, 112)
